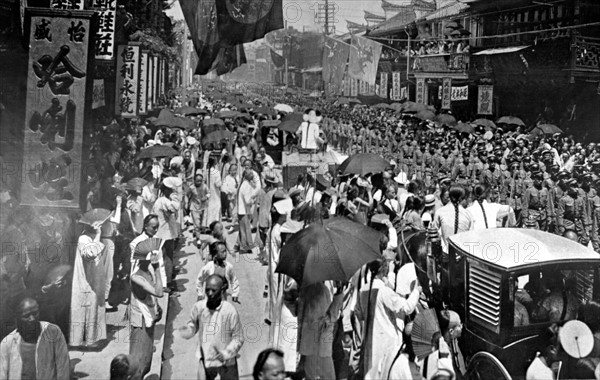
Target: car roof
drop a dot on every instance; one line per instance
(514, 248)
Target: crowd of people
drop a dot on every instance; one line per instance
(138, 210)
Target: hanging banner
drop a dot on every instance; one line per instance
(344, 88)
(150, 84)
(420, 96)
(128, 64)
(396, 86)
(446, 93)
(485, 96)
(403, 93)
(364, 58)
(105, 35)
(335, 57)
(383, 85)
(55, 107)
(460, 93)
(353, 87)
(377, 90)
(98, 94)
(143, 85)
(163, 76)
(155, 82)
(425, 93)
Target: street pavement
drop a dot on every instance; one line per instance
(180, 360)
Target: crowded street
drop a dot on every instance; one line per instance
(371, 189)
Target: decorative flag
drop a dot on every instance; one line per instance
(98, 94)
(485, 96)
(396, 95)
(383, 85)
(420, 96)
(218, 28)
(446, 93)
(242, 21)
(277, 59)
(58, 94)
(364, 58)
(335, 57)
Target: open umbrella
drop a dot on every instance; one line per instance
(334, 250)
(284, 108)
(343, 100)
(157, 151)
(213, 121)
(549, 129)
(510, 120)
(227, 114)
(264, 111)
(354, 100)
(216, 137)
(445, 118)
(396, 106)
(485, 123)
(464, 128)
(187, 110)
(185, 123)
(271, 123)
(363, 163)
(425, 115)
(381, 106)
(291, 122)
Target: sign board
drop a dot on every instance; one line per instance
(485, 96)
(128, 64)
(396, 95)
(104, 45)
(57, 84)
(446, 93)
(143, 84)
(420, 96)
(98, 94)
(383, 85)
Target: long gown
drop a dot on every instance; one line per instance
(213, 211)
(281, 305)
(88, 318)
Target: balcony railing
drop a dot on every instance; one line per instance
(443, 63)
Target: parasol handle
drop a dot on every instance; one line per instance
(578, 349)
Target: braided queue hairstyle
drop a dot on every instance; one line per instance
(481, 192)
(457, 194)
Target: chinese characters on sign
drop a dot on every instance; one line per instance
(446, 93)
(150, 86)
(383, 85)
(353, 87)
(105, 37)
(420, 96)
(55, 108)
(143, 98)
(155, 69)
(485, 96)
(396, 85)
(128, 60)
(66, 4)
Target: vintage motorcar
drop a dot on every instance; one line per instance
(496, 273)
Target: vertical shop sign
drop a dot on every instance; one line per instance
(420, 96)
(104, 41)
(59, 96)
(128, 62)
(143, 84)
(485, 96)
(446, 93)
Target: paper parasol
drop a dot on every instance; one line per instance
(576, 338)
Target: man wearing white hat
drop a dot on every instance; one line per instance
(167, 208)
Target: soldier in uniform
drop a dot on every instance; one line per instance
(418, 160)
(595, 201)
(570, 209)
(587, 194)
(427, 166)
(445, 162)
(535, 202)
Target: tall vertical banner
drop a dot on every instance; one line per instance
(485, 97)
(155, 81)
(362, 87)
(425, 93)
(335, 57)
(446, 93)
(396, 85)
(353, 87)
(104, 45)
(150, 85)
(128, 64)
(98, 94)
(364, 59)
(59, 90)
(420, 96)
(383, 85)
(163, 77)
(344, 89)
(143, 84)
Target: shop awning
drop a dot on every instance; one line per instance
(505, 50)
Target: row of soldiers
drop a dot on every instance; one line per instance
(543, 194)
